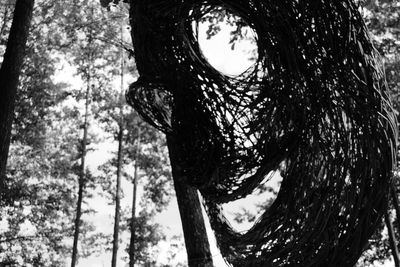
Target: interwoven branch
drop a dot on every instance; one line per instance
(314, 106)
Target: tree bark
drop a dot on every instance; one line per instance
(194, 229)
(9, 77)
(392, 240)
(82, 178)
(132, 259)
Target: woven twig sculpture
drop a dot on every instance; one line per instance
(313, 106)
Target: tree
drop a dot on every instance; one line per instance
(196, 240)
(143, 164)
(152, 173)
(90, 54)
(127, 129)
(152, 177)
(82, 177)
(9, 76)
(133, 223)
(119, 162)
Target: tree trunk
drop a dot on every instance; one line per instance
(82, 178)
(9, 77)
(133, 217)
(392, 240)
(119, 165)
(194, 230)
(117, 199)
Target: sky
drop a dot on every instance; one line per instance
(219, 54)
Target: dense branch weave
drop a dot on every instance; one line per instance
(313, 107)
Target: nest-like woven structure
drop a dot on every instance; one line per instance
(314, 106)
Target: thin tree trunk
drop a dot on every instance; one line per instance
(119, 166)
(117, 199)
(392, 240)
(9, 77)
(194, 230)
(133, 218)
(82, 178)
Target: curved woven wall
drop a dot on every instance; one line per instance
(314, 106)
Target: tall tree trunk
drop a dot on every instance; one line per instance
(194, 229)
(392, 240)
(133, 217)
(117, 199)
(119, 164)
(9, 77)
(82, 178)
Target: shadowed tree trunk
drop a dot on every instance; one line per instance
(194, 229)
(9, 76)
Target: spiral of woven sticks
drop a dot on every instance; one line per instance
(313, 106)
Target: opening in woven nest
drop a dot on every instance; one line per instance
(227, 42)
(244, 213)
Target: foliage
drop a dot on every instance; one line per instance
(39, 216)
(176, 245)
